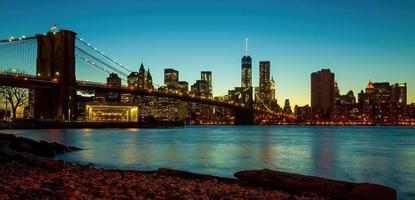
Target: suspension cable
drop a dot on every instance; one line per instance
(102, 54)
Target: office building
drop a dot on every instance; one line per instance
(207, 76)
(322, 94)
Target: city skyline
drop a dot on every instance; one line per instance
(293, 50)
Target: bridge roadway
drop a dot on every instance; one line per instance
(31, 81)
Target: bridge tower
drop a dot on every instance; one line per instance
(55, 61)
(246, 116)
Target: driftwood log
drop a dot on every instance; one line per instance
(335, 189)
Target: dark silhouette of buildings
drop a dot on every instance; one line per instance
(383, 102)
(322, 94)
(287, 108)
(302, 113)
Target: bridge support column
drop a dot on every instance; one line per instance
(246, 116)
(56, 61)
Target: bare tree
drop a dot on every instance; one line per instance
(17, 97)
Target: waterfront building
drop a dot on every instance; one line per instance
(119, 112)
(375, 102)
(399, 93)
(322, 94)
(384, 102)
(302, 113)
(345, 107)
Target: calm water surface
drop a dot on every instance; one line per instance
(384, 155)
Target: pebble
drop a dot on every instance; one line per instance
(20, 180)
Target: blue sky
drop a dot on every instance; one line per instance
(358, 40)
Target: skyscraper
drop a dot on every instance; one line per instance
(322, 94)
(264, 82)
(207, 76)
(171, 78)
(264, 71)
(399, 93)
(246, 73)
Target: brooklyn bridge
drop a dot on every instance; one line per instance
(55, 67)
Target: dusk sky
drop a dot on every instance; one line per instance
(358, 40)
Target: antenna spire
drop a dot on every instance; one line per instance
(246, 46)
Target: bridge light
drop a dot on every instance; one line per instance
(81, 39)
(23, 36)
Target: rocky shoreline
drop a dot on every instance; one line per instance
(30, 173)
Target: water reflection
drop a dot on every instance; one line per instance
(370, 154)
(324, 152)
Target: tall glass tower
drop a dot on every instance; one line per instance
(246, 72)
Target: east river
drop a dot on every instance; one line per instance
(384, 155)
